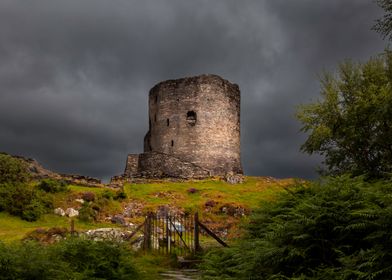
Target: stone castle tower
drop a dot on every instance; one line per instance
(194, 130)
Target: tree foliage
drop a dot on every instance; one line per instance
(351, 126)
(336, 229)
(17, 196)
(384, 24)
(52, 186)
(24, 201)
(12, 170)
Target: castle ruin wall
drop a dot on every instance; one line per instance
(194, 130)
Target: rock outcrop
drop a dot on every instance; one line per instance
(38, 172)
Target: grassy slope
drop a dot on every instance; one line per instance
(13, 228)
(151, 195)
(249, 194)
(175, 195)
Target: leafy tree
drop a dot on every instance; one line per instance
(351, 126)
(384, 24)
(12, 170)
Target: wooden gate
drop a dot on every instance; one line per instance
(177, 234)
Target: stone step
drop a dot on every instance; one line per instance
(183, 274)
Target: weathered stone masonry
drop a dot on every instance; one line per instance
(194, 130)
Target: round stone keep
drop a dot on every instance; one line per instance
(196, 120)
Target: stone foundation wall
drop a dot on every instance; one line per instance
(160, 165)
(132, 165)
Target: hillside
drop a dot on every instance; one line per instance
(222, 206)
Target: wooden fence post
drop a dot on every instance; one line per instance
(72, 227)
(168, 234)
(196, 233)
(147, 233)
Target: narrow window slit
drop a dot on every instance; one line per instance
(191, 118)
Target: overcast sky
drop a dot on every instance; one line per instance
(75, 74)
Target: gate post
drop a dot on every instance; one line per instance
(72, 227)
(196, 233)
(147, 232)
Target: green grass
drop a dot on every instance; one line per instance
(249, 194)
(246, 196)
(13, 228)
(150, 265)
(153, 194)
(81, 189)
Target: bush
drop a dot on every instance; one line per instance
(21, 200)
(98, 259)
(16, 196)
(107, 194)
(337, 229)
(120, 195)
(33, 211)
(12, 170)
(30, 261)
(87, 213)
(69, 259)
(52, 186)
(88, 196)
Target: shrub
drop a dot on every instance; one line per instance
(74, 258)
(98, 259)
(52, 186)
(107, 194)
(31, 261)
(120, 195)
(88, 196)
(87, 213)
(12, 170)
(16, 196)
(21, 200)
(336, 229)
(33, 211)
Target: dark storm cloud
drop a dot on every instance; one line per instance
(74, 75)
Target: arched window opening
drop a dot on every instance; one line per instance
(191, 118)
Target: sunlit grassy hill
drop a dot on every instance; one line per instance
(222, 206)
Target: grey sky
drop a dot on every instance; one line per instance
(75, 74)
